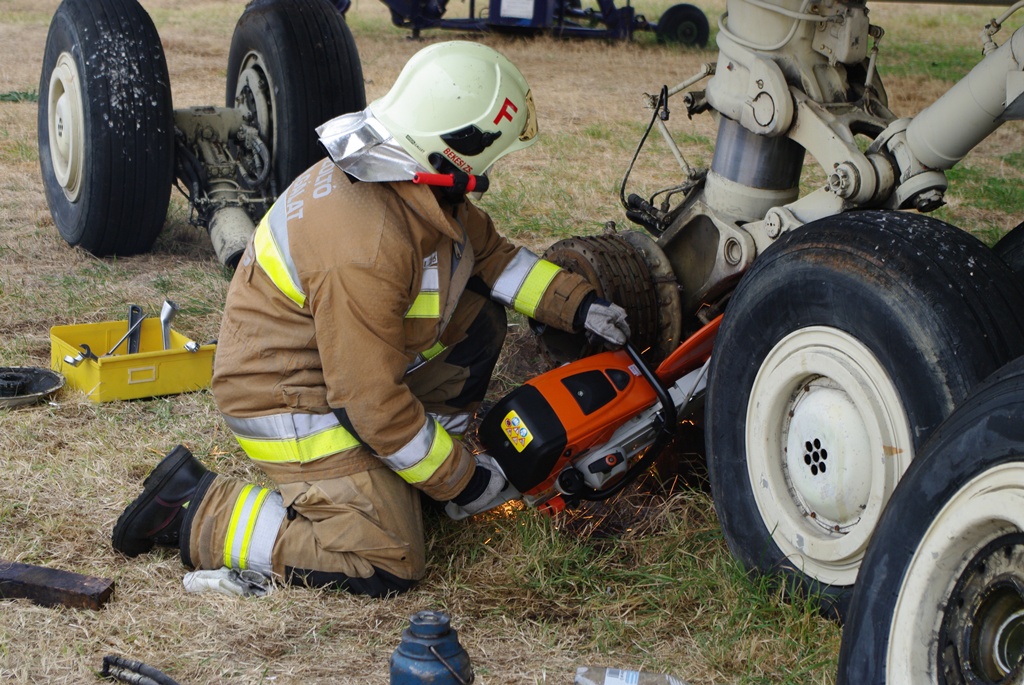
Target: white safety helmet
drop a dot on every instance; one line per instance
(458, 105)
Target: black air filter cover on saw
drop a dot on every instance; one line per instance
(524, 434)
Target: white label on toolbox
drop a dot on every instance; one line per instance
(634, 369)
(517, 9)
(142, 374)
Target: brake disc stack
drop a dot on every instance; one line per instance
(630, 270)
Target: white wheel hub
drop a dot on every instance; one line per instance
(65, 124)
(987, 508)
(255, 92)
(826, 446)
(827, 440)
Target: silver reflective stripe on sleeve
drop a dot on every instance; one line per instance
(253, 529)
(419, 458)
(523, 282)
(512, 278)
(455, 424)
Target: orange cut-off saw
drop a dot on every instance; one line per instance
(586, 429)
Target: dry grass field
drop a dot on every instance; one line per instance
(532, 598)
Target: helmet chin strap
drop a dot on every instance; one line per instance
(452, 182)
(457, 181)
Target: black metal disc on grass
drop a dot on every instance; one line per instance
(25, 385)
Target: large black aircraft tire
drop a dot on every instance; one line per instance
(292, 66)
(940, 598)
(1010, 249)
(843, 347)
(105, 126)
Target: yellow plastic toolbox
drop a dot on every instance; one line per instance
(150, 372)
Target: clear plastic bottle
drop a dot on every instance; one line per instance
(591, 675)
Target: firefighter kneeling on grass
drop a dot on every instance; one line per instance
(359, 335)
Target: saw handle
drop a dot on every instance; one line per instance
(670, 419)
(668, 407)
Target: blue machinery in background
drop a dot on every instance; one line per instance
(683, 24)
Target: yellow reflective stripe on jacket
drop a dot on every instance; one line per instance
(523, 282)
(273, 255)
(541, 275)
(418, 459)
(291, 438)
(241, 525)
(424, 357)
(436, 349)
(427, 304)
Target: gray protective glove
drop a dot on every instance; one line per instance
(606, 320)
(487, 489)
(228, 581)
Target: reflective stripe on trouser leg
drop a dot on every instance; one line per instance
(252, 530)
(232, 508)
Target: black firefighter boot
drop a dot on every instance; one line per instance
(155, 517)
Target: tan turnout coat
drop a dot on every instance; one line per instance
(359, 251)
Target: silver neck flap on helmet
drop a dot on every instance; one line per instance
(360, 145)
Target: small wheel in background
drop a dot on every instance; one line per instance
(683, 24)
(941, 594)
(105, 126)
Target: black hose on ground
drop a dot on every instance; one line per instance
(134, 672)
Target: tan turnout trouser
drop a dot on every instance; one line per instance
(345, 520)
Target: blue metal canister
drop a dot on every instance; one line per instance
(430, 653)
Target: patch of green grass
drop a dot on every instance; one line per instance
(16, 149)
(359, 23)
(163, 283)
(993, 192)
(1001, 195)
(505, 209)
(938, 60)
(19, 151)
(1015, 160)
(695, 148)
(598, 132)
(623, 586)
(694, 139)
(19, 96)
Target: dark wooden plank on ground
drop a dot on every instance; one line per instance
(53, 587)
